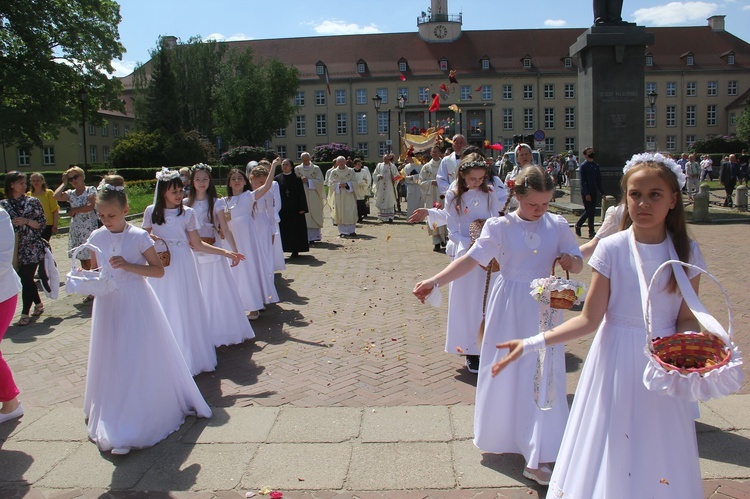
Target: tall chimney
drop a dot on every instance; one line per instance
(716, 23)
(170, 42)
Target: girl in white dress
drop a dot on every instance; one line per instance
(623, 440)
(239, 207)
(226, 316)
(138, 387)
(264, 220)
(525, 243)
(179, 291)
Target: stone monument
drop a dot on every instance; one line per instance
(611, 95)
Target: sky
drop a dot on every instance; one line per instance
(143, 21)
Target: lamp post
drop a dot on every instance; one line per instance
(652, 99)
(84, 97)
(377, 101)
(401, 101)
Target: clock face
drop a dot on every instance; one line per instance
(440, 31)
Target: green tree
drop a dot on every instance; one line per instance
(253, 100)
(50, 50)
(162, 111)
(743, 126)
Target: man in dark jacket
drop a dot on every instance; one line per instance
(728, 175)
(591, 188)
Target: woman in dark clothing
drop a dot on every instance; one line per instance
(293, 208)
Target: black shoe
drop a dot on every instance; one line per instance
(578, 231)
(437, 248)
(472, 364)
(353, 234)
(294, 254)
(591, 235)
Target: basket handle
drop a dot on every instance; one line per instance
(693, 302)
(552, 272)
(157, 238)
(74, 253)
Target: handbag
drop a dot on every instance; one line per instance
(88, 282)
(691, 366)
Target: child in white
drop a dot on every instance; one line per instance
(138, 387)
(180, 292)
(226, 316)
(525, 243)
(263, 217)
(623, 440)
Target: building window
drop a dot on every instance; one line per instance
(383, 122)
(485, 64)
(690, 116)
(361, 67)
(364, 149)
(93, 157)
(24, 156)
(127, 129)
(105, 130)
(361, 96)
(507, 119)
(650, 117)
(92, 130)
(732, 119)
(549, 144)
(549, 90)
(320, 70)
(732, 87)
(526, 62)
(713, 88)
(300, 126)
(568, 62)
(528, 92)
(549, 118)
(570, 90)
(528, 119)
(689, 60)
(507, 92)
(321, 126)
(402, 67)
(486, 92)
(281, 133)
(320, 97)
(570, 117)
(424, 94)
(649, 60)
(341, 125)
(691, 89)
(650, 142)
(115, 130)
(402, 92)
(413, 125)
(508, 144)
(443, 64)
(689, 141)
(570, 143)
(671, 116)
(650, 87)
(465, 93)
(362, 123)
(711, 115)
(299, 99)
(281, 151)
(383, 149)
(475, 126)
(730, 59)
(300, 149)
(383, 93)
(48, 153)
(671, 143)
(671, 89)
(105, 153)
(340, 97)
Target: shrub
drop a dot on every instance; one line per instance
(242, 155)
(329, 152)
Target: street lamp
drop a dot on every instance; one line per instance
(84, 97)
(377, 101)
(401, 103)
(652, 99)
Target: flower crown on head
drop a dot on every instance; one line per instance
(109, 187)
(473, 164)
(166, 174)
(202, 166)
(657, 158)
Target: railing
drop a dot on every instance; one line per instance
(440, 18)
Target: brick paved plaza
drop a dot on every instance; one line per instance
(345, 389)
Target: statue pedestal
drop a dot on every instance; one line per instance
(611, 96)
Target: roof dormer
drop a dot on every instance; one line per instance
(361, 67)
(728, 57)
(526, 61)
(485, 63)
(403, 65)
(443, 64)
(689, 58)
(320, 68)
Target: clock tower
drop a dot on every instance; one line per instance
(437, 26)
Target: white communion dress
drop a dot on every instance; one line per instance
(264, 219)
(180, 292)
(138, 387)
(226, 316)
(507, 417)
(623, 440)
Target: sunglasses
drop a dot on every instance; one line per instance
(74, 177)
